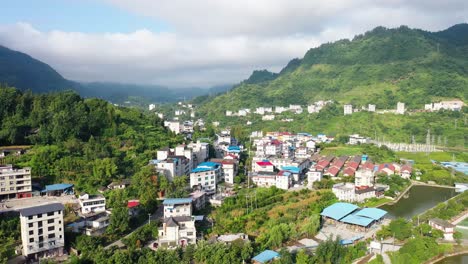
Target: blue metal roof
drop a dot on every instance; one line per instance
(57, 187)
(373, 213)
(206, 166)
(357, 220)
(292, 169)
(233, 149)
(266, 256)
(177, 201)
(339, 210)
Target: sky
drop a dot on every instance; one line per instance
(187, 43)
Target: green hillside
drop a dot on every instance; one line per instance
(382, 66)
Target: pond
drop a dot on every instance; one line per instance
(460, 259)
(418, 199)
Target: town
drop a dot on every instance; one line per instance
(215, 171)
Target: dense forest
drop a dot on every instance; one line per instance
(382, 66)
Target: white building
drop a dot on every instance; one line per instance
(364, 177)
(362, 194)
(230, 168)
(284, 180)
(92, 203)
(94, 225)
(179, 112)
(313, 176)
(174, 207)
(173, 166)
(228, 113)
(348, 109)
(264, 178)
(268, 117)
(344, 191)
(400, 108)
(262, 166)
(206, 176)
(447, 228)
(357, 139)
(177, 231)
(453, 105)
(42, 233)
(371, 108)
(280, 109)
(14, 182)
(151, 107)
(173, 126)
(312, 109)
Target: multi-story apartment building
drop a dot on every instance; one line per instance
(177, 231)
(348, 109)
(364, 177)
(92, 203)
(206, 176)
(177, 207)
(14, 182)
(42, 231)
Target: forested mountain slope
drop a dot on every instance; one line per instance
(382, 66)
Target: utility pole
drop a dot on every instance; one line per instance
(149, 219)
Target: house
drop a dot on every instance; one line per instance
(400, 108)
(92, 225)
(173, 126)
(405, 171)
(284, 180)
(447, 228)
(280, 109)
(356, 139)
(313, 176)
(363, 193)
(295, 172)
(11, 151)
(174, 207)
(206, 176)
(15, 182)
(364, 177)
(264, 165)
(344, 191)
(266, 256)
(119, 185)
(386, 168)
(172, 166)
(371, 108)
(42, 232)
(199, 199)
(347, 109)
(264, 178)
(176, 231)
(133, 207)
(92, 203)
(230, 168)
(229, 238)
(268, 117)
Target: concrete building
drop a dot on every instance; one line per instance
(264, 178)
(177, 231)
(262, 166)
(371, 108)
(199, 199)
(174, 207)
(268, 117)
(453, 105)
(230, 168)
(173, 126)
(14, 182)
(447, 228)
(42, 233)
(92, 203)
(94, 225)
(356, 139)
(284, 180)
(348, 109)
(344, 191)
(313, 176)
(364, 177)
(400, 108)
(206, 176)
(151, 107)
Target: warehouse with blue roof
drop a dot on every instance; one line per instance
(58, 189)
(352, 215)
(266, 257)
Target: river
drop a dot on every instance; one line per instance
(461, 259)
(420, 198)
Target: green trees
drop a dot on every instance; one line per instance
(119, 221)
(400, 228)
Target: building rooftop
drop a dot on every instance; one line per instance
(266, 256)
(41, 209)
(292, 169)
(206, 166)
(441, 222)
(57, 187)
(373, 213)
(172, 201)
(339, 210)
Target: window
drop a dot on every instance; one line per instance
(51, 236)
(212, 182)
(206, 178)
(12, 188)
(50, 221)
(39, 216)
(3, 189)
(60, 221)
(59, 212)
(212, 177)
(40, 231)
(30, 224)
(51, 228)
(199, 179)
(60, 236)
(189, 233)
(39, 224)
(31, 240)
(30, 217)
(50, 213)
(31, 232)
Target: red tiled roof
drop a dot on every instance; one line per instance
(406, 167)
(386, 165)
(349, 171)
(264, 163)
(333, 171)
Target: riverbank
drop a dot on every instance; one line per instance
(437, 259)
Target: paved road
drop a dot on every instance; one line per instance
(156, 216)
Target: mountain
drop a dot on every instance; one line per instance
(382, 66)
(24, 72)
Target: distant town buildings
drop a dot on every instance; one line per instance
(347, 109)
(453, 105)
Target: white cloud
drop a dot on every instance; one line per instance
(218, 41)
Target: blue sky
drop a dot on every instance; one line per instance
(77, 15)
(186, 43)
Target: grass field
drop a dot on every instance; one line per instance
(342, 150)
(422, 158)
(464, 223)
